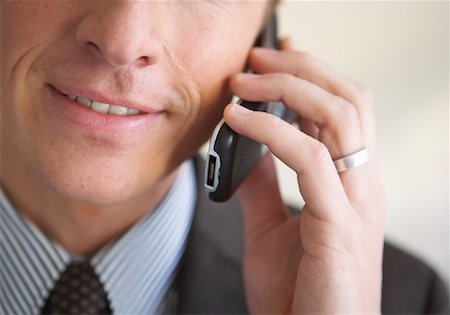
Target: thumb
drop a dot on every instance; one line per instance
(260, 198)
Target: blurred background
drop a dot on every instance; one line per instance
(401, 51)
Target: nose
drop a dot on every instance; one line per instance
(121, 33)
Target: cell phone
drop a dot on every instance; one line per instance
(231, 157)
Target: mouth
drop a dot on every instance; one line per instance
(103, 108)
(105, 103)
(97, 113)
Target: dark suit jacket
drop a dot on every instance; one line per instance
(210, 280)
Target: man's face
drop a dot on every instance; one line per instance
(170, 60)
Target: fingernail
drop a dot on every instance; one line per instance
(246, 76)
(239, 109)
(264, 51)
(287, 43)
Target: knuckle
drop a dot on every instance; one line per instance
(285, 79)
(280, 82)
(272, 123)
(318, 151)
(364, 95)
(347, 113)
(304, 62)
(272, 77)
(304, 57)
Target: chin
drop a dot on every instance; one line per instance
(107, 194)
(98, 186)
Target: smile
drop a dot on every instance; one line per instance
(101, 114)
(99, 107)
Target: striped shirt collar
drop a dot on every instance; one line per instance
(136, 270)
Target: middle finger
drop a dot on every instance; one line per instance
(336, 118)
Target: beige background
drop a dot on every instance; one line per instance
(400, 50)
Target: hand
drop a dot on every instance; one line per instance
(328, 259)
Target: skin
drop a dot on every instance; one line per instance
(91, 187)
(331, 258)
(83, 189)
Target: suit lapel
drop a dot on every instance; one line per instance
(210, 278)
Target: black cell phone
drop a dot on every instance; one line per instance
(231, 157)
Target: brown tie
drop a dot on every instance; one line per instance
(78, 291)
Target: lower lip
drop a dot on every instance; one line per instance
(84, 118)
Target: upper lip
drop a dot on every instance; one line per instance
(99, 96)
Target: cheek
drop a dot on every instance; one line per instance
(219, 51)
(212, 65)
(26, 25)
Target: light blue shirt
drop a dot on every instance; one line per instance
(136, 270)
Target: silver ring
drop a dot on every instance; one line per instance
(352, 160)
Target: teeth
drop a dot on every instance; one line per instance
(118, 110)
(132, 111)
(104, 108)
(100, 107)
(84, 101)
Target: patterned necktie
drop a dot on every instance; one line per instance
(78, 291)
